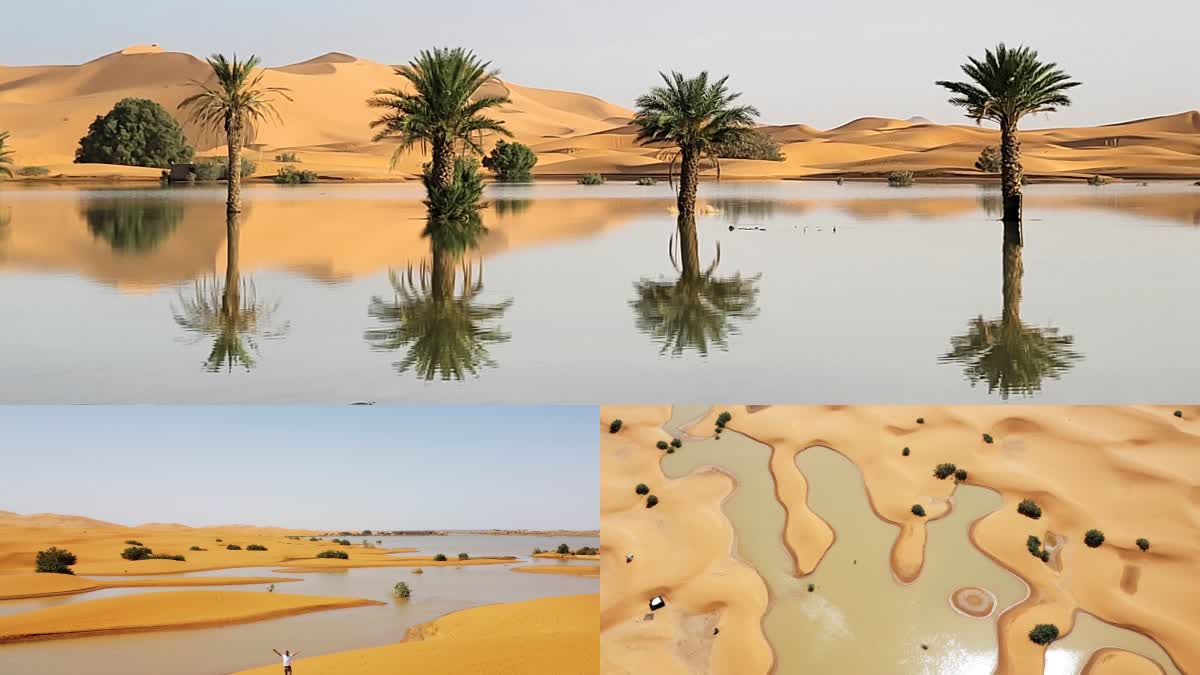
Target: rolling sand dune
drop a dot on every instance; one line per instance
(569, 570)
(1131, 472)
(48, 108)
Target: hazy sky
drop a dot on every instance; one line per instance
(820, 63)
(352, 467)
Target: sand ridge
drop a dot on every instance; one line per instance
(568, 570)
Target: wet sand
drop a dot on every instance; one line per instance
(569, 570)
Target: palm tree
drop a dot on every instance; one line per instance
(236, 104)
(1009, 355)
(1005, 86)
(5, 156)
(443, 110)
(693, 116)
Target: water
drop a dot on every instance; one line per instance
(439, 591)
(910, 300)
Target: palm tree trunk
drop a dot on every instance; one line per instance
(1011, 177)
(442, 275)
(689, 176)
(442, 163)
(1014, 269)
(233, 203)
(231, 297)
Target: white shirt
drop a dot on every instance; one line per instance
(287, 659)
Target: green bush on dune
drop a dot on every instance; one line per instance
(1029, 508)
(340, 555)
(592, 179)
(233, 547)
(197, 548)
(289, 157)
(136, 132)
(960, 475)
(918, 510)
(662, 445)
(164, 556)
(463, 556)
(1093, 538)
(1143, 544)
(587, 550)
(563, 549)
(133, 542)
(511, 161)
(136, 553)
(256, 547)
(1044, 633)
(642, 489)
(614, 426)
(441, 557)
(290, 175)
(651, 501)
(944, 470)
(54, 560)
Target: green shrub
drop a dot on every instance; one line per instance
(920, 420)
(676, 443)
(587, 550)
(233, 547)
(441, 557)
(646, 181)
(1093, 538)
(31, 171)
(1044, 633)
(136, 132)
(54, 560)
(314, 539)
(960, 475)
(900, 178)
(133, 542)
(989, 160)
(751, 144)
(944, 470)
(256, 547)
(1029, 508)
(615, 426)
(651, 501)
(987, 438)
(918, 510)
(463, 556)
(1143, 544)
(563, 549)
(592, 179)
(136, 553)
(197, 548)
(287, 157)
(905, 452)
(342, 542)
(290, 175)
(164, 556)
(662, 445)
(1034, 546)
(1099, 180)
(642, 489)
(1179, 413)
(723, 419)
(510, 161)
(401, 590)
(340, 555)
(537, 551)
(217, 169)
(670, 451)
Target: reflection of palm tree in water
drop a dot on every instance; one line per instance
(1007, 354)
(5, 219)
(444, 328)
(228, 312)
(694, 313)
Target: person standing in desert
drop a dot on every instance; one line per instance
(287, 660)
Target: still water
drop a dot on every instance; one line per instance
(819, 294)
(436, 592)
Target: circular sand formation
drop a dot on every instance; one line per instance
(973, 601)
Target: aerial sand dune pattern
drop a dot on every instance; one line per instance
(48, 108)
(1130, 472)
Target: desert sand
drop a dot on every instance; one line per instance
(22, 586)
(48, 108)
(548, 635)
(1130, 472)
(569, 570)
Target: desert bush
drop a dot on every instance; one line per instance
(587, 550)
(900, 178)
(1029, 508)
(510, 161)
(563, 549)
(1143, 544)
(217, 169)
(164, 556)
(989, 160)
(233, 547)
(54, 560)
(31, 171)
(918, 510)
(401, 590)
(314, 539)
(944, 470)
(136, 553)
(987, 438)
(1093, 538)
(1099, 180)
(256, 547)
(1178, 413)
(642, 489)
(676, 443)
(1034, 546)
(651, 501)
(905, 452)
(1044, 633)
(136, 132)
(614, 427)
(441, 557)
(646, 181)
(287, 157)
(960, 475)
(752, 144)
(920, 420)
(662, 445)
(342, 542)
(290, 175)
(723, 419)
(592, 179)
(197, 548)
(463, 556)
(133, 542)
(340, 555)
(537, 551)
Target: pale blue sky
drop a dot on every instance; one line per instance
(334, 467)
(820, 63)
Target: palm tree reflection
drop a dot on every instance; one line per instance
(1010, 356)
(699, 313)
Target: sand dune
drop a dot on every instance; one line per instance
(1128, 471)
(568, 570)
(22, 586)
(48, 108)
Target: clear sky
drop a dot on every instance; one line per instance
(820, 63)
(332, 467)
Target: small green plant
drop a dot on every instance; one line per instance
(33, 171)
(920, 420)
(563, 549)
(587, 550)
(1179, 413)
(646, 181)
(1029, 508)
(662, 445)
(1093, 538)
(670, 451)
(256, 547)
(642, 489)
(918, 510)
(1143, 544)
(342, 542)
(615, 426)
(441, 557)
(900, 178)
(54, 560)
(136, 553)
(164, 556)
(1044, 633)
(511, 161)
(1099, 180)
(289, 157)
(133, 542)
(987, 438)
(651, 501)
(197, 548)
(340, 555)
(812, 587)
(233, 547)
(290, 175)
(960, 475)
(989, 160)
(401, 590)
(944, 470)
(905, 452)
(723, 419)
(676, 443)
(592, 179)
(1034, 546)
(537, 551)
(463, 556)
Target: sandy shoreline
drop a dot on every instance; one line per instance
(568, 570)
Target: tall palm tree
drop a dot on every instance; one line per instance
(694, 116)
(1004, 87)
(234, 103)
(443, 110)
(1009, 355)
(5, 156)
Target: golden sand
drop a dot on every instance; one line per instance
(1119, 662)
(19, 586)
(1131, 472)
(566, 556)
(548, 635)
(568, 570)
